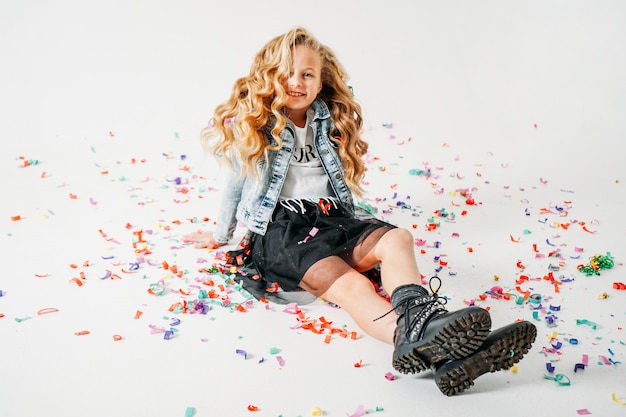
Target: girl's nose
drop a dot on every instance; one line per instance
(293, 81)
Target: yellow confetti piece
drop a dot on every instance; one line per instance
(615, 400)
(316, 411)
(514, 369)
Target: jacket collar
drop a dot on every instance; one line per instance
(320, 108)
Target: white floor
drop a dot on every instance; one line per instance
(521, 106)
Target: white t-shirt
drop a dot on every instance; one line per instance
(305, 177)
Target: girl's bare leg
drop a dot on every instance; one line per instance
(353, 292)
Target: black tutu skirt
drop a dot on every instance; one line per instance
(302, 233)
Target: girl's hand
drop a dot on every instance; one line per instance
(202, 239)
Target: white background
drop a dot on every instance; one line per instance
(521, 103)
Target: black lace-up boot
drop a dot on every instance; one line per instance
(502, 349)
(427, 333)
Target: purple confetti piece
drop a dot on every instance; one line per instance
(242, 353)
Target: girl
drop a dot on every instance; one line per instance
(290, 135)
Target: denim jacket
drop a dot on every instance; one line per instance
(251, 201)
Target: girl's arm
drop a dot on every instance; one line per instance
(226, 218)
(231, 195)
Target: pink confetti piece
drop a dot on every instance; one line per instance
(389, 376)
(360, 411)
(583, 412)
(280, 360)
(291, 308)
(154, 329)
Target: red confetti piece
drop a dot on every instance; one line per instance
(253, 408)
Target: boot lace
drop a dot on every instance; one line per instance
(428, 304)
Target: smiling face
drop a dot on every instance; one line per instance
(304, 83)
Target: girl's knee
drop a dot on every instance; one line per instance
(398, 238)
(352, 284)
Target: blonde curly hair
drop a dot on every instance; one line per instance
(259, 98)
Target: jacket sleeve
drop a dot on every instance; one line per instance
(231, 196)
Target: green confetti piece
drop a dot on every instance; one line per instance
(593, 325)
(21, 319)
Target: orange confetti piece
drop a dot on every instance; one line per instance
(253, 408)
(77, 281)
(138, 314)
(117, 337)
(16, 218)
(82, 333)
(47, 311)
(42, 275)
(513, 239)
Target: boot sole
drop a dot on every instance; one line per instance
(460, 337)
(502, 349)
